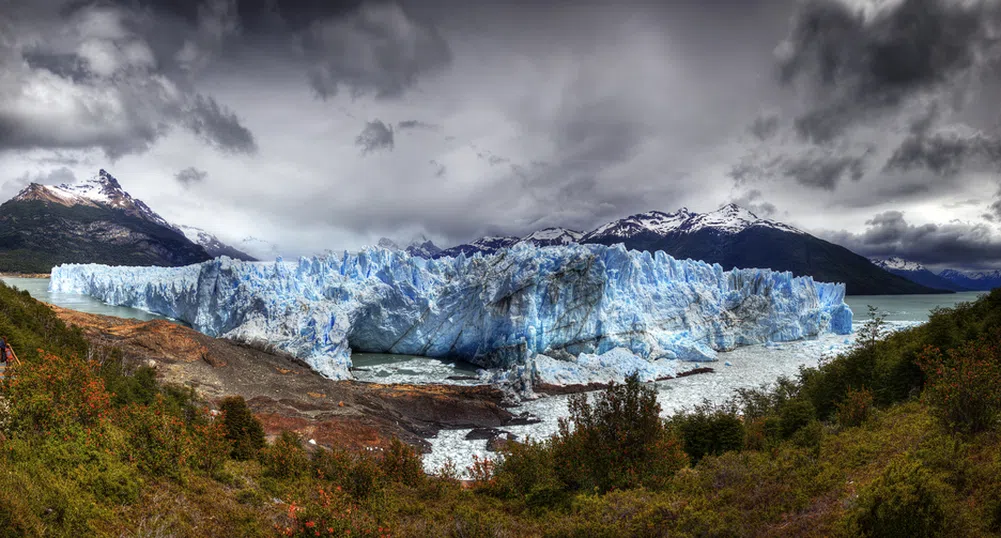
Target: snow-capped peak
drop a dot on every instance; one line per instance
(553, 236)
(656, 222)
(495, 241)
(732, 218)
(898, 264)
(101, 190)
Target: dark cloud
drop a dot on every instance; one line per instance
(945, 153)
(190, 175)
(824, 171)
(377, 49)
(857, 63)
(955, 244)
(817, 168)
(218, 126)
(417, 124)
(753, 201)
(374, 137)
(764, 127)
(102, 78)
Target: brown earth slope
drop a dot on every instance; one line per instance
(286, 394)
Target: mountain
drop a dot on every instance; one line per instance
(972, 280)
(484, 245)
(915, 272)
(423, 247)
(94, 221)
(548, 237)
(212, 245)
(732, 237)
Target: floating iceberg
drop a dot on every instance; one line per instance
(496, 311)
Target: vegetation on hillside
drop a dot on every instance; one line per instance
(898, 437)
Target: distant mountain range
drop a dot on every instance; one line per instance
(915, 272)
(95, 221)
(973, 280)
(730, 236)
(947, 279)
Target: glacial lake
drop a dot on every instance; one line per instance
(39, 289)
(749, 366)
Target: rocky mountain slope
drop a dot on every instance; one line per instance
(95, 221)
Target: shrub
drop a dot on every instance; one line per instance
(962, 384)
(855, 408)
(242, 428)
(211, 447)
(333, 464)
(618, 442)
(709, 430)
(795, 414)
(285, 458)
(401, 463)
(522, 467)
(55, 393)
(906, 502)
(155, 439)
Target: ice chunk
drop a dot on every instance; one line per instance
(494, 311)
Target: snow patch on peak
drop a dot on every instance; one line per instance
(898, 264)
(387, 243)
(657, 222)
(732, 218)
(101, 190)
(553, 236)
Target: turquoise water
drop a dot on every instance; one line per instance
(907, 307)
(39, 289)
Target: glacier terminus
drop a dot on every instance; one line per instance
(563, 314)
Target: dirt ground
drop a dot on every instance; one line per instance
(286, 394)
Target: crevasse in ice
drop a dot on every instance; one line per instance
(494, 311)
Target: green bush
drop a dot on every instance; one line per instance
(855, 408)
(618, 442)
(401, 463)
(524, 467)
(905, 502)
(155, 440)
(243, 429)
(795, 414)
(962, 384)
(708, 430)
(285, 458)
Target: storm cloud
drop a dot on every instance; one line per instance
(864, 60)
(329, 124)
(190, 176)
(955, 244)
(97, 80)
(374, 137)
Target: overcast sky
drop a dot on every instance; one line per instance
(319, 125)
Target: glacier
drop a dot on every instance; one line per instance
(556, 312)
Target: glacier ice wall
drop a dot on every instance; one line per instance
(494, 311)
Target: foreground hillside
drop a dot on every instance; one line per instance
(897, 438)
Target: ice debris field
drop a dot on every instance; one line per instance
(560, 315)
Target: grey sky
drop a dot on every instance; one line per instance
(325, 125)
